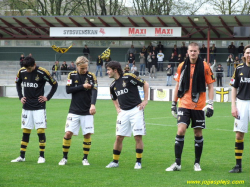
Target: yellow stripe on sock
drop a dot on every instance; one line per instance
(238, 157)
(116, 157)
(238, 151)
(24, 143)
(138, 155)
(42, 144)
(40, 131)
(86, 140)
(23, 149)
(86, 146)
(239, 141)
(28, 131)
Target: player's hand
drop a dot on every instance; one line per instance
(42, 99)
(210, 109)
(174, 109)
(87, 86)
(92, 110)
(234, 112)
(143, 105)
(23, 100)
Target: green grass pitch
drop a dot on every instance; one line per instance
(217, 158)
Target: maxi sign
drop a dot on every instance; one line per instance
(115, 31)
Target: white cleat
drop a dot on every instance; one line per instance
(63, 162)
(197, 167)
(85, 162)
(112, 165)
(137, 165)
(41, 160)
(174, 167)
(18, 159)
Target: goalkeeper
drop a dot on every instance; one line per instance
(192, 76)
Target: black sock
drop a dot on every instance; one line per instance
(198, 143)
(179, 143)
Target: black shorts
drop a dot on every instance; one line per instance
(197, 117)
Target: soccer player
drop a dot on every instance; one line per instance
(33, 79)
(125, 95)
(192, 76)
(82, 84)
(241, 111)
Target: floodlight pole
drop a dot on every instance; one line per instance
(208, 44)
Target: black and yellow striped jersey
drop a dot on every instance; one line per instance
(33, 84)
(81, 98)
(126, 91)
(241, 81)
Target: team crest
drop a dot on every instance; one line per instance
(124, 84)
(76, 81)
(161, 94)
(241, 74)
(37, 78)
(23, 122)
(179, 118)
(86, 81)
(25, 77)
(114, 88)
(69, 81)
(67, 125)
(235, 124)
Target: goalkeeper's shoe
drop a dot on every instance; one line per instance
(112, 165)
(18, 159)
(174, 167)
(137, 165)
(63, 162)
(197, 167)
(236, 169)
(41, 160)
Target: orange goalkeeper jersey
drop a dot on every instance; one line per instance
(186, 100)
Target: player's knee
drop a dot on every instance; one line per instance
(239, 136)
(68, 135)
(119, 138)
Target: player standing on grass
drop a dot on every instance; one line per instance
(192, 76)
(125, 95)
(241, 111)
(34, 79)
(82, 84)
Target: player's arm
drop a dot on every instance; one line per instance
(53, 89)
(19, 88)
(117, 106)
(92, 109)
(210, 91)
(234, 111)
(145, 101)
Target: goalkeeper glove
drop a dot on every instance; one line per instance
(174, 109)
(210, 109)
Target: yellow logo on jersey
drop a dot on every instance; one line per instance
(124, 84)
(25, 77)
(37, 78)
(76, 81)
(241, 74)
(114, 88)
(179, 118)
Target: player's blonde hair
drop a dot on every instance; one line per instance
(81, 60)
(194, 44)
(245, 48)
